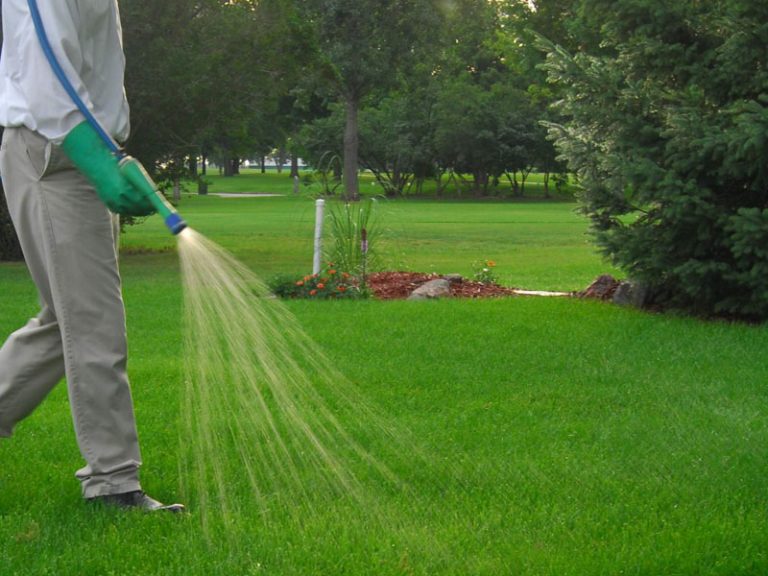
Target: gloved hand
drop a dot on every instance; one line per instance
(91, 156)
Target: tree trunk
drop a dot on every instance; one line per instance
(192, 165)
(230, 166)
(294, 166)
(524, 176)
(263, 162)
(480, 184)
(280, 160)
(351, 148)
(515, 184)
(202, 183)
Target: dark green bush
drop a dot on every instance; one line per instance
(666, 126)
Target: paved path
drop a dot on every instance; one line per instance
(243, 195)
(542, 293)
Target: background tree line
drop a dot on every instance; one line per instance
(409, 89)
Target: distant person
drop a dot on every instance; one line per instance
(59, 179)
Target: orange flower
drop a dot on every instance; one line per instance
(312, 292)
(331, 272)
(300, 283)
(344, 275)
(320, 286)
(342, 288)
(491, 263)
(307, 278)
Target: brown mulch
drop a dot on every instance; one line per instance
(394, 285)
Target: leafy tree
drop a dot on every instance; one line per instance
(396, 140)
(201, 78)
(321, 144)
(666, 129)
(484, 132)
(362, 46)
(165, 51)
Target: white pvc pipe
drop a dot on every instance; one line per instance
(319, 210)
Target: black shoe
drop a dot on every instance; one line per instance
(136, 500)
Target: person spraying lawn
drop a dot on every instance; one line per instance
(287, 429)
(63, 106)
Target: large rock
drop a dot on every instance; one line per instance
(432, 289)
(630, 294)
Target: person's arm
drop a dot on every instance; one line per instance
(54, 111)
(66, 28)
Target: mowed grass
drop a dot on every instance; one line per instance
(560, 436)
(536, 245)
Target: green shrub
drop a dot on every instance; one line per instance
(484, 272)
(329, 284)
(665, 126)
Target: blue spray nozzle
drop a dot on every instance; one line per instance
(175, 223)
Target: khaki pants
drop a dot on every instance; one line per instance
(68, 239)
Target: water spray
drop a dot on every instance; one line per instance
(130, 168)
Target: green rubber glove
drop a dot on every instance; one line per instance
(92, 157)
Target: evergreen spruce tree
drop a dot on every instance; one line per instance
(667, 129)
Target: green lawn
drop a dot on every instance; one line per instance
(560, 437)
(536, 245)
(251, 180)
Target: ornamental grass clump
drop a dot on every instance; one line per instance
(355, 234)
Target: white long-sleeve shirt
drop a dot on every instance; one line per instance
(86, 38)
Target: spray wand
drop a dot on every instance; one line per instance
(129, 167)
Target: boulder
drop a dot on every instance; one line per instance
(630, 294)
(432, 289)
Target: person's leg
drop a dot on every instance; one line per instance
(31, 359)
(31, 364)
(74, 264)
